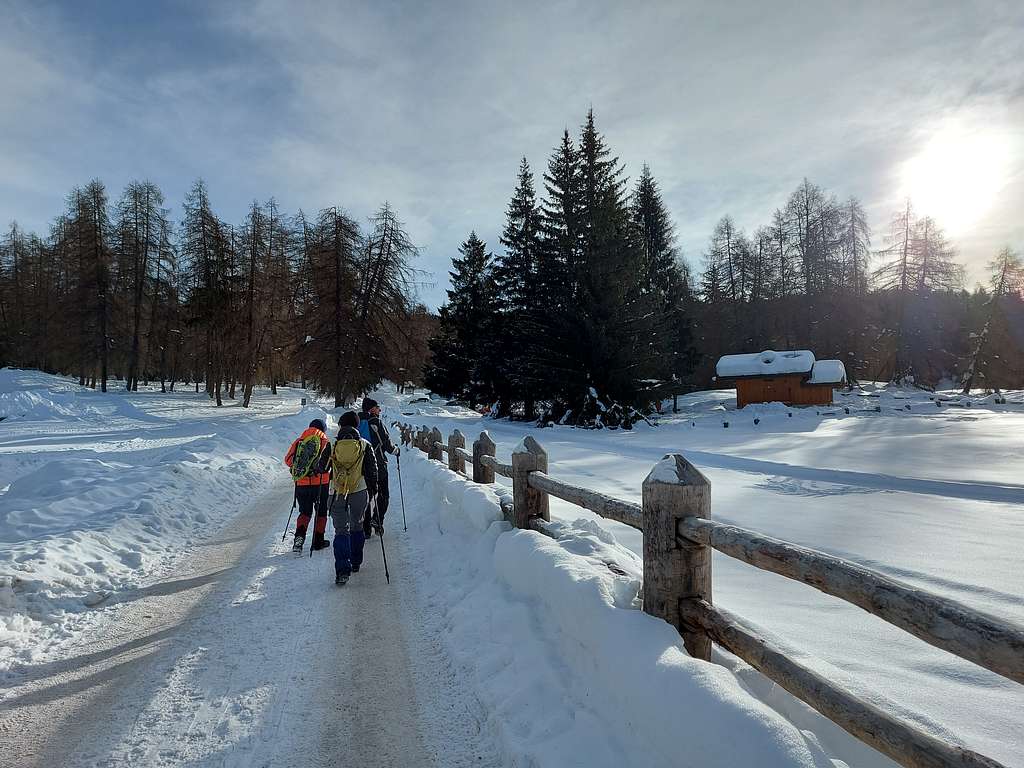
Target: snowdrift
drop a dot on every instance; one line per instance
(96, 493)
(551, 634)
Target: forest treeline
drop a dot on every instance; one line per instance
(586, 312)
(117, 292)
(588, 309)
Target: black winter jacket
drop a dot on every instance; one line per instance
(380, 439)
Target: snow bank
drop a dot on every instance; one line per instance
(869, 479)
(43, 398)
(550, 633)
(767, 363)
(95, 494)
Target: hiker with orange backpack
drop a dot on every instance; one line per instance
(354, 479)
(309, 459)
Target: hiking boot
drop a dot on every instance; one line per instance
(355, 569)
(340, 579)
(318, 545)
(300, 539)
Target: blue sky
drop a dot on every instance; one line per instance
(431, 106)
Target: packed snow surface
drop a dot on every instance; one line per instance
(925, 487)
(99, 490)
(108, 500)
(550, 636)
(767, 363)
(244, 654)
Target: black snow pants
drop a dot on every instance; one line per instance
(382, 497)
(312, 499)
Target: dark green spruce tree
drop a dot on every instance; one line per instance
(518, 296)
(458, 348)
(553, 350)
(616, 350)
(667, 288)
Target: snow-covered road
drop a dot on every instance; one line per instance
(247, 655)
(150, 615)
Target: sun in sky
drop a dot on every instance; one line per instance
(958, 173)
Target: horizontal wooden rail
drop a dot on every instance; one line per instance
(678, 536)
(497, 466)
(615, 509)
(540, 525)
(988, 641)
(891, 736)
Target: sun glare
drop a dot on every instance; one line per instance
(957, 176)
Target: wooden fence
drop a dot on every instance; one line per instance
(678, 536)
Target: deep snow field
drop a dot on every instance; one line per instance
(932, 495)
(100, 493)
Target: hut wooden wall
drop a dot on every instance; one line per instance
(782, 389)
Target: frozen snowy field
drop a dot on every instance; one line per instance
(100, 491)
(109, 501)
(933, 495)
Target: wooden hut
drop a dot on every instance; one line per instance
(793, 378)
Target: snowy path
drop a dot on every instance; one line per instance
(248, 655)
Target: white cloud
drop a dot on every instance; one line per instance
(431, 106)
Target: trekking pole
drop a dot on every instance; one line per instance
(383, 554)
(295, 500)
(401, 491)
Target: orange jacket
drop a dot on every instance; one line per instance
(325, 445)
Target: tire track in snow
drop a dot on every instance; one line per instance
(265, 663)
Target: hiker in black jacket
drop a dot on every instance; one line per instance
(372, 429)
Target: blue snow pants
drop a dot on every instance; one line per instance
(347, 516)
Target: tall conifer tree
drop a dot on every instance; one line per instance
(519, 294)
(458, 347)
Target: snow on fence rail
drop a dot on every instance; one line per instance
(678, 537)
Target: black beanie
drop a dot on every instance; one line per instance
(348, 419)
(369, 403)
(318, 424)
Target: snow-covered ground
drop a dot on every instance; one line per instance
(930, 494)
(101, 491)
(149, 614)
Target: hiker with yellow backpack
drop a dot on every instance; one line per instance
(354, 482)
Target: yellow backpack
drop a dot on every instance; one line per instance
(347, 466)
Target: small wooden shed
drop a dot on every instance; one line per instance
(793, 378)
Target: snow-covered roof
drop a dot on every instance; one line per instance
(828, 372)
(767, 363)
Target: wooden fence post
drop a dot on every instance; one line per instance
(421, 439)
(483, 447)
(674, 490)
(456, 463)
(529, 502)
(435, 438)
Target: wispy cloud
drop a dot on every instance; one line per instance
(431, 106)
